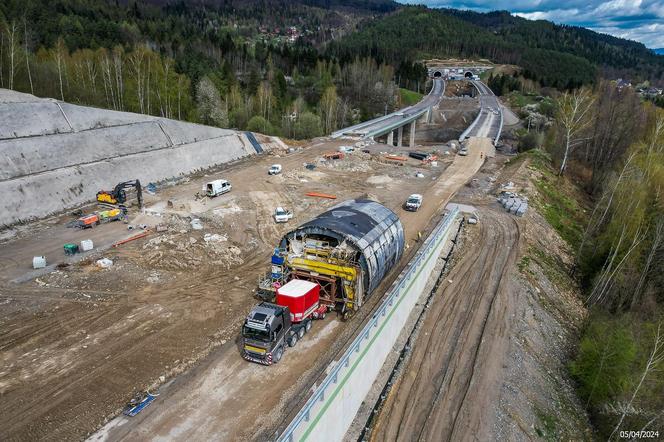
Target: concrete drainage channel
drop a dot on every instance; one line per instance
(340, 395)
(365, 434)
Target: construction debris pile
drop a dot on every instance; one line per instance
(174, 252)
(355, 162)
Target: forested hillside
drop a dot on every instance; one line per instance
(265, 64)
(616, 57)
(554, 55)
(250, 65)
(604, 197)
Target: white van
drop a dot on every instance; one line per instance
(217, 187)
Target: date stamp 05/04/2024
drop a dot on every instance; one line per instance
(641, 434)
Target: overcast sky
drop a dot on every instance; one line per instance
(640, 20)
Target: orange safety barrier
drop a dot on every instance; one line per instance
(395, 158)
(124, 241)
(321, 195)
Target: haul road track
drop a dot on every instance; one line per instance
(450, 385)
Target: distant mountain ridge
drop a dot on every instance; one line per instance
(614, 56)
(555, 55)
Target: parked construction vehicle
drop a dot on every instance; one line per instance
(272, 327)
(413, 203)
(97, 218)
(282, 215)
(333, 262)
(217, 187)
(118, 196)
(88, 221)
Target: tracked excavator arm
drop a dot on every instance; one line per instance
(119, 196)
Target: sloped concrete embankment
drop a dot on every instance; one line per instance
(56, 156)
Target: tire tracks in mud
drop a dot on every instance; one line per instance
(446, 389)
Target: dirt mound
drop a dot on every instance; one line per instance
(355, 162)
(172, 252)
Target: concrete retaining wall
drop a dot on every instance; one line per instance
(331, 409)
(31, 119)
(55, 156)
(50, 192)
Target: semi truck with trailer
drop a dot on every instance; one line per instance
(346, 251)
(272, 327)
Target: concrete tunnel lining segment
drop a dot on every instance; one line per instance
(373, 230)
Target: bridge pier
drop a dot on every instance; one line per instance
(412, 134)
(390, 138)
(400, 136)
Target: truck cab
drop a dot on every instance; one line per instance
(270, 327)
(274, 169)
(265, 333)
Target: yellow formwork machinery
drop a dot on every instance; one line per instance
(348, 250)
(343, 271)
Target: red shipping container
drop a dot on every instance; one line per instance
(301, 298)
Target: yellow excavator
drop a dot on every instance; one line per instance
(118, 195)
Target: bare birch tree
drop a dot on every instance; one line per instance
(658, 237)
(107, 78)
(654, 359)
(2, 46)
(328, 108)
(26, 39)
(59, 54)
(607, 196)
(610, 269)
(573, 114)
(12, 52)
(655, 146)
(137, 62)
(118, 54)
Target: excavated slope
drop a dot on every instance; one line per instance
(55, 155)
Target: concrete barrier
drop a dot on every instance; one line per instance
(331, 409)
(465, 133)
(500, 128)
(470, 128)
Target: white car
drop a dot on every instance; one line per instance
(463, 152)
(413, 202)
(346, 149)
(274, 169)
(282, 215)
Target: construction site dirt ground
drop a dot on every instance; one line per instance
(78, 342)
(488, 361)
